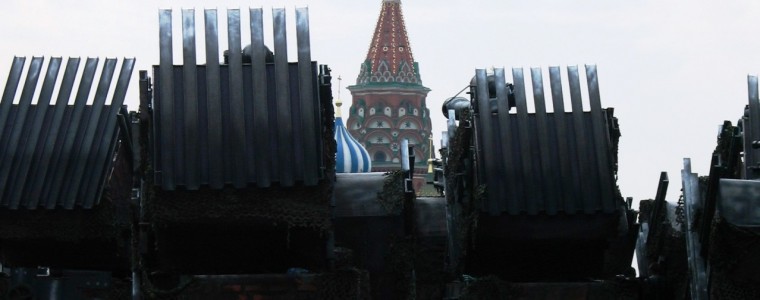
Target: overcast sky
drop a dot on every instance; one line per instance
(673, 70)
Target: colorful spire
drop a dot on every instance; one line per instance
(389, 59)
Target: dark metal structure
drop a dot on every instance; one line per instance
(231, 164)
(522, 185)
(66, 172)
(253, 124)
(650, 220)
(59, 155)
(710, 252)
(722, 212)
(236, 152)
(555, 162)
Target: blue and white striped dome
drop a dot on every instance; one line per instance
(351, 156)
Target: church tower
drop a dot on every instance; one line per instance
(388, 99)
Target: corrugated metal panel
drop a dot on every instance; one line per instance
(565, 162)
(190, 78)
(215, 155)
(236, 123)
(307, 95)
(55, 155)
(260, 92)
(544, 162)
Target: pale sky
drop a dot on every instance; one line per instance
(673, 70)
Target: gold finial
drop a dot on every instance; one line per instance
(338, 102)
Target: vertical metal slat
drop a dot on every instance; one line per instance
(284, 118)
(261, 107)
(486, 137)
(251, 147)
(662, 190)
(306, 75)
(213, 101)
(567, 178)
(752, 130)
(509, 171)
(102, 161)
(88, 142)
(11, 85)
(237, 107)
(532, 192)
(52, 137)
(165, 168)
(692, 204)
(190, 105)
(548, 168)
(581, 142)
(601, 142)
(658, 205)
(23, 163)
(52, 191)
(9, 150)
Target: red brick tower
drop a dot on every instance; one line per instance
(388, 100)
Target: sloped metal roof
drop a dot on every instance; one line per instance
(56, 154)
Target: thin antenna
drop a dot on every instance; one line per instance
(338, 102)
(339, 79)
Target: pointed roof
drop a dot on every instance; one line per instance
(389, 59)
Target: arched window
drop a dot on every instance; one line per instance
(379, 156)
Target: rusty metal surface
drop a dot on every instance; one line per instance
(239, 123)
(545, 162)
(59, 155)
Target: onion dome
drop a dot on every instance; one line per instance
(351, 157)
